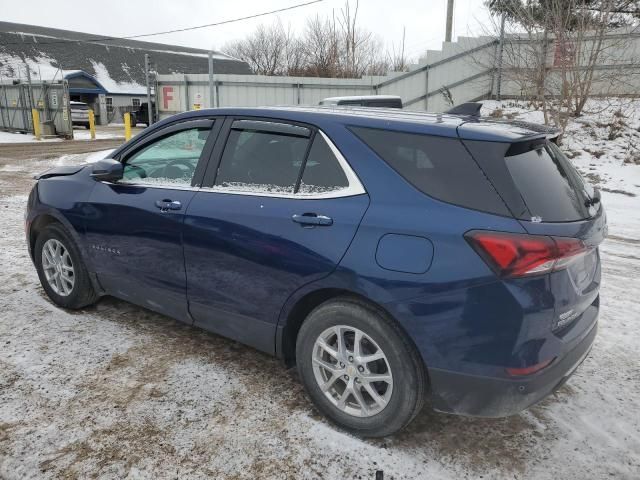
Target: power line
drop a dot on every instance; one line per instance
(224, 22)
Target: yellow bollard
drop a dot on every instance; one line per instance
(92, 124)
(127, 127)
(35, 115)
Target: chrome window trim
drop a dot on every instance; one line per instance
(355, 186)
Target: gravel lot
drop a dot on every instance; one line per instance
(115, 391)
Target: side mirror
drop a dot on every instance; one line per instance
(107, 170)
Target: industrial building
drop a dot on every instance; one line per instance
(106, 73)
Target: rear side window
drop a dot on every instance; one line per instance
(261, 161)
(278, 159)
(441, 167)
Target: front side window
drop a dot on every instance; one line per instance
(169, 161)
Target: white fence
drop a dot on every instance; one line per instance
(463, 71)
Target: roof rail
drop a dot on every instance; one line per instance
(469, 108)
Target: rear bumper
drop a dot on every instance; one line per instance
(481, 396)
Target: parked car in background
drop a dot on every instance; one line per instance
(79, 114)
(380, 101)
(390, 256)
(142, 114)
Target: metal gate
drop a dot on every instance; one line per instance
(17, 99)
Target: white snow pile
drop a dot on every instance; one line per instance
(111, 86)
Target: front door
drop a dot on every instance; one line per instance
(281, 212)
(134, 226)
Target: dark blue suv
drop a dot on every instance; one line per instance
(392, 256)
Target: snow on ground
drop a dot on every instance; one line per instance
(100, 133)
(14, 137)
(115, 391)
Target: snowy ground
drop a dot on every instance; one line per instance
(115, 391)
(102, 132)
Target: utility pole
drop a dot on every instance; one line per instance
(447, 35)
(146, 75)
(32, 103)
(500, 49)
(211, 87)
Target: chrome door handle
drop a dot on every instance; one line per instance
(165, 205)
(311, 219)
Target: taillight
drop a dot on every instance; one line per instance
(517, 255)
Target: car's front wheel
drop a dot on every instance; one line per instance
(62, 272)
(359, 368)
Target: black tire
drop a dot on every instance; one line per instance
(82, 292)
(409, 374)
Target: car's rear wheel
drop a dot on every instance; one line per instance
(62, 272)
(359, 368)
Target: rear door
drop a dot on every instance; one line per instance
(134, 226)
(279, 210)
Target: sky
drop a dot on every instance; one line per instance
(424, 20)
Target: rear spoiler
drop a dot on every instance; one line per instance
(471, 109)
(551, 133)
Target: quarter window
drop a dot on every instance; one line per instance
(170, 161)
(438, 166)
(322, 172)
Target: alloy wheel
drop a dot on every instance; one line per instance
(352, 371)
(58, 267)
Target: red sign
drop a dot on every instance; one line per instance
(167, 96)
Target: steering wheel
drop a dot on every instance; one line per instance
(139, 171)
(182, 161)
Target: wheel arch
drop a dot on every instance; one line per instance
(288, 332)
(49, 217)
(37, 225)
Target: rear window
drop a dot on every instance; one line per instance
(548, 184)
(536, 180)
(441, 167)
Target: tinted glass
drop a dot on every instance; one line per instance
(438, 166)
(549, 185)
(322, 173)
(170, 161)
(262, 162)
(384, 103)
